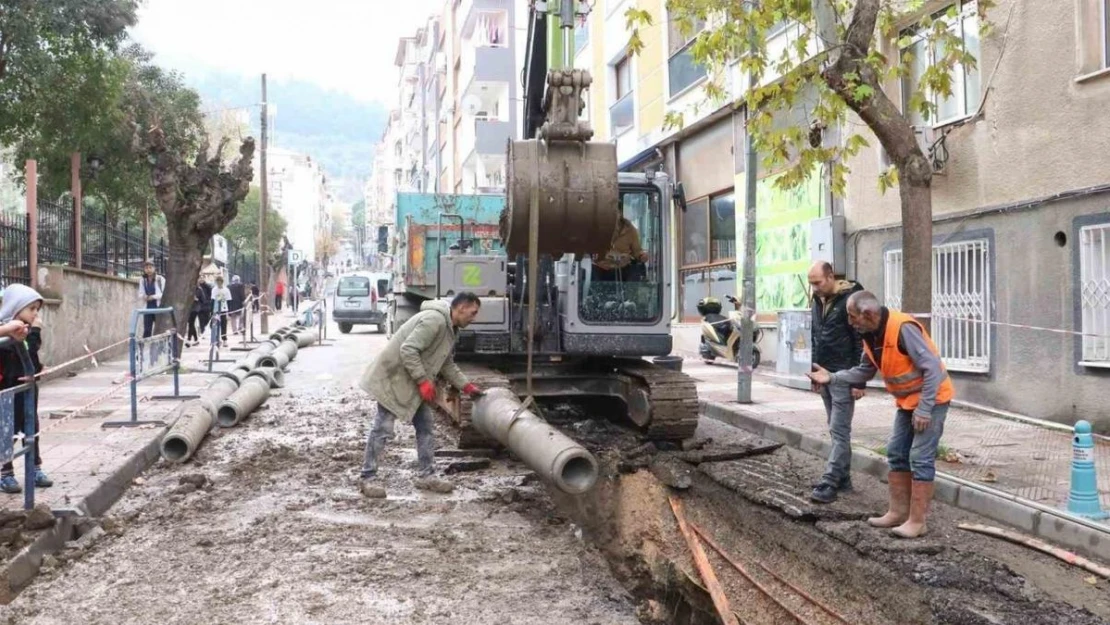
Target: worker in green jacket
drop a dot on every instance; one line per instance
(402, 378)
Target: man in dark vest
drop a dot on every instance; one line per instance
(836, 347)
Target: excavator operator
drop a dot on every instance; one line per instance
(624, 249)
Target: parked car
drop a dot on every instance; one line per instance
(360, 299)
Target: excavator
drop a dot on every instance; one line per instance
(553, 323)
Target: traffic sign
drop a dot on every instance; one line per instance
(296, 256)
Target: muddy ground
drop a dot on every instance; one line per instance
(278, 532)
(268, 525)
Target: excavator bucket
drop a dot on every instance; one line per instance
(577, 186)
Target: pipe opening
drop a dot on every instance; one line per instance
(227, 416)
(267, 361)
(579, 474)
(175, 448)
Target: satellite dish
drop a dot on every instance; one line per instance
(471, 105)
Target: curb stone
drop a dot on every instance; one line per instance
(24, 566)
(1059, 530)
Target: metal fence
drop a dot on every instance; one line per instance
(242, 264)
(108, 246)
(14, 249)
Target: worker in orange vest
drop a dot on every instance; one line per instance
(898, 347)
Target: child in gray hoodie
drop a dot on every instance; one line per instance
(21, 303)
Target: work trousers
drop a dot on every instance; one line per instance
(916, 451)
(382, 431)
(840, 407)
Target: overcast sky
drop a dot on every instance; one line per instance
(347, 45)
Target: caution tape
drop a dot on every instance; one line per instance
(1005, 324)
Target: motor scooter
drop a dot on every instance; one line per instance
(720, 335)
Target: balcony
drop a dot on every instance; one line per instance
(470, 10)
(622, 114)
(485, 137)
(485, 64)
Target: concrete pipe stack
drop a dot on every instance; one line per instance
(235, 393)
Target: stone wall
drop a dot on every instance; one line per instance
(82, 309)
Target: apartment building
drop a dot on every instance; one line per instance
(299, 193)
(1021, 194)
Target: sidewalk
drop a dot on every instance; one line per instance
(91, 465)
(1020, 458)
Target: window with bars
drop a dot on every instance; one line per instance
(961, 301)
(1094, 289)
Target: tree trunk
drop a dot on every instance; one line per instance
(186, 254)
(916, 195)
(896, 135)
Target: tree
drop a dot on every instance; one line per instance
(196, 190)
(60, 81)
(833, 59)
(243, 230)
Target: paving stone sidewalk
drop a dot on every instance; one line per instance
(1024, 459)
(79, 454)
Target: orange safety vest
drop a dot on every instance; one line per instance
(902, 378)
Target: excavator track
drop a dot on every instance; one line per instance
(662, 403)
(672, 396)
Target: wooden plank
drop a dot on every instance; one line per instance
(705, 569)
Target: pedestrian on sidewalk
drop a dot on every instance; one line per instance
(402, 377)
(896, 346)
(151, 286)
(198, 313)
(279, 292)
(21, 305)
(221, 296)
(254, 294)
(836, 347)
(235, 305)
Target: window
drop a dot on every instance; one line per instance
(682, 71)
(961, 301)
(965, 82)
(622, 71)
(1094, 289)
(722, 227)
(581, 36)
(1104, 25)
(491, 29)
(709, 230)
(353, 286)
(622, 114)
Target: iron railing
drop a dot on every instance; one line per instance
(15, 249)
(56, 243)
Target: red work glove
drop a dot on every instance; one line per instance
(472, 390)
(428, 391)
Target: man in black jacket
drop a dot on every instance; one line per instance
(836, 347)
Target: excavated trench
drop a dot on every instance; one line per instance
(754, 509)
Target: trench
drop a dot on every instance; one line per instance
(754, 509)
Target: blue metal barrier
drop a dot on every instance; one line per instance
(150, 356)
(7, 422)
(215, 331)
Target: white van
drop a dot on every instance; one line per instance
(360, 299)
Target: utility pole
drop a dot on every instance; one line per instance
(747, 291)
(264, 265)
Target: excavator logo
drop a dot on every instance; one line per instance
(471, 275)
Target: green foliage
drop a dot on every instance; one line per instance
(243, 230)
(795, 99)
(358, 215)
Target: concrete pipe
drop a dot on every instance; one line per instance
(578, 196)
(264, 348)
(276, 360)
(289, 348)
(192, 425)
(248, 362)
(243, 401)
(554, 456)
(235, 374)
(280, 333)
(305, 338)
(274, 376)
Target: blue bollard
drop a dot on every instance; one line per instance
(1083, 498)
